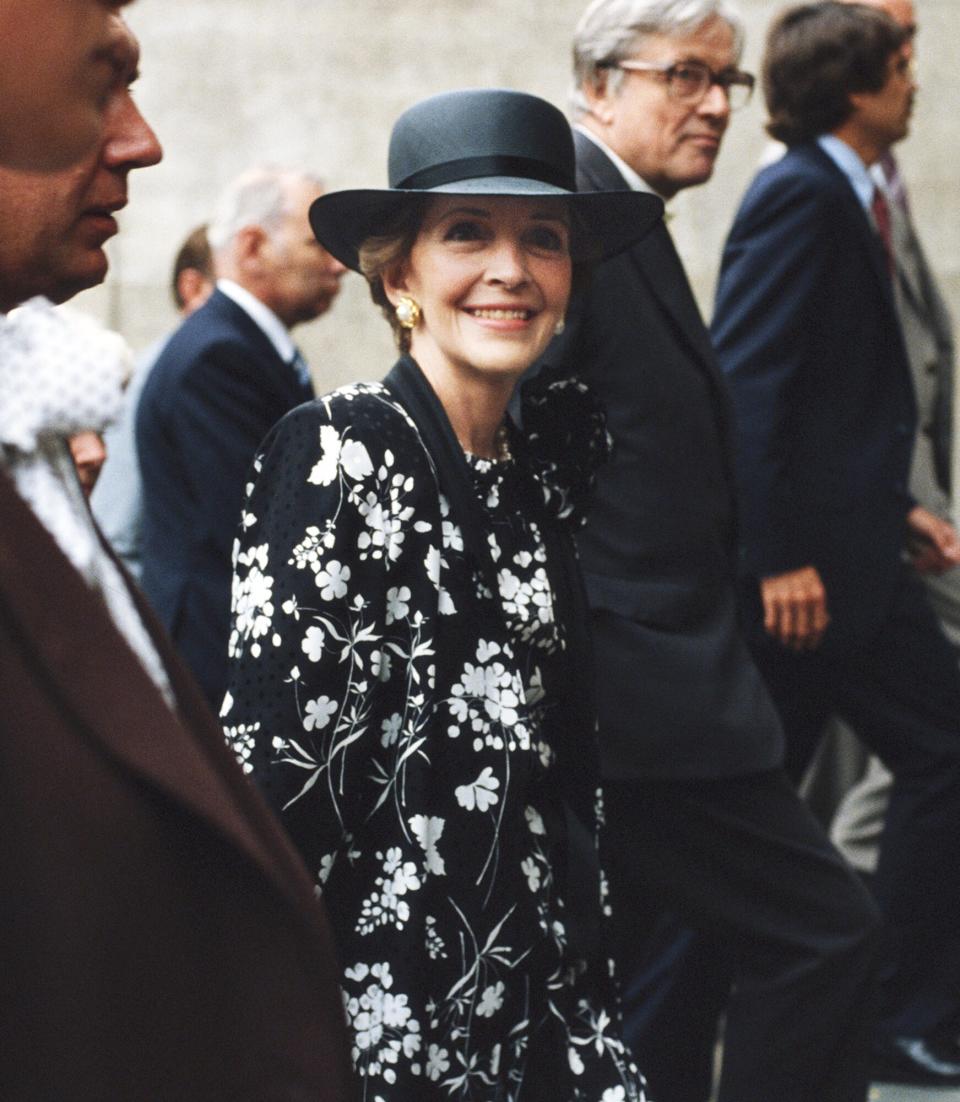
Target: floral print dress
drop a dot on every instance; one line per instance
(398, 716)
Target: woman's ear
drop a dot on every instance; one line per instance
(395, 282)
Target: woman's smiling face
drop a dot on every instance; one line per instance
(492, 277)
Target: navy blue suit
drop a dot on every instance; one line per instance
(807, 333)
(216, 390)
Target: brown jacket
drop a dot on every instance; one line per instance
(159, 937)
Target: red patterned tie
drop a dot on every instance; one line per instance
(881, 219)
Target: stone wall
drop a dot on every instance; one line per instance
(318, 83)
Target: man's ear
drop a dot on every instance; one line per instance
(599, 96)
(193, 287)
(855, 100)
(249, 246)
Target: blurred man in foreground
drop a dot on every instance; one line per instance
(158, 936)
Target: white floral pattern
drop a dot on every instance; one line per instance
(400, 719)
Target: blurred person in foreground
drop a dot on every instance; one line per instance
(158, 936)
(222, 381)
(808, 333)
(409, 680)
(704, 828)
(117, 498)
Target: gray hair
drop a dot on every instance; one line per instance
(609, 30)
(258, 197)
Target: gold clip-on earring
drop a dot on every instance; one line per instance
(408, 312)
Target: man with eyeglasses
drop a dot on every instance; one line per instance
(808, 333)
(701, 819)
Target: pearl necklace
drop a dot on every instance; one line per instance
(501, 447)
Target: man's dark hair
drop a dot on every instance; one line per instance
(194, 253)
(817, 55)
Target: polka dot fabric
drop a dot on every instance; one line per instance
(61, 372)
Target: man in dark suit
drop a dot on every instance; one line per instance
(700, 816)
(159, 938)
(807, 332)
(928, 336)
(116, 497)
(223, 380)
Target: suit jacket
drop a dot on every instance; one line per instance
(116, 500)
(806, 331)
(928, 335)
(678, 695)
(159, 939)
(215, 391)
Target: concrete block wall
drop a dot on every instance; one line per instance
(229, 83)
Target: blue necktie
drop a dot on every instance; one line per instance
(299, 365)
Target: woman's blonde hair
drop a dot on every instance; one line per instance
(388, 249)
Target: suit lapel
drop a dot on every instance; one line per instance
(659, 267)
(910, 260)
(659, 263)
(916, 279)
(876, 255)
(94, 678)
(655, 257)
(283, 374)
(858, 218)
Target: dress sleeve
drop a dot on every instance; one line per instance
(333, 599)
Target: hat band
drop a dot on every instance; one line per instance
(469, 168)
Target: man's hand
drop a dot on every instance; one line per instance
(795, 608)
(934, 543)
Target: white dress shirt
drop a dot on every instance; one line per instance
(273, 328)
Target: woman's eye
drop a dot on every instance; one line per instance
(464, 231)
(548, 239)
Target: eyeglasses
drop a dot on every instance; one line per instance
(689, 81)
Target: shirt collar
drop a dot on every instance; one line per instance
(851, 166)
(273, 328)
(634, 180)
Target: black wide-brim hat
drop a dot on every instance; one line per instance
(482, 142)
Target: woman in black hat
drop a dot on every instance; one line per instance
(410, 667)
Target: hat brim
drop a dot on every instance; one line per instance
(612, 220)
